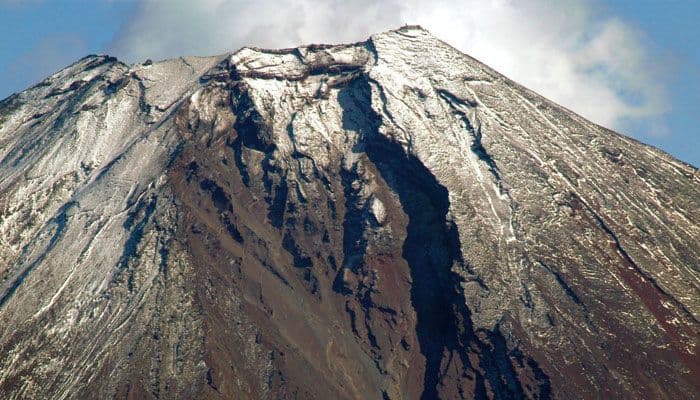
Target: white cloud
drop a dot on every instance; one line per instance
(594, 64)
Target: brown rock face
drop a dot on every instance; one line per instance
(337, 222)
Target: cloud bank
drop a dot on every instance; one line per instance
(569, 51)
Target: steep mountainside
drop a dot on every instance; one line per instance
(388, 219)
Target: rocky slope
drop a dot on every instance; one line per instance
(387, 219)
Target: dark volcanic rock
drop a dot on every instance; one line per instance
(389, 219)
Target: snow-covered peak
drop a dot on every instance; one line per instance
(391, 215)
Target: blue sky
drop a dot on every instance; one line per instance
(671, 26)
(633, 66)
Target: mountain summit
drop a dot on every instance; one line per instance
(386, 219)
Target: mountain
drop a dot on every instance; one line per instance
(389, 219)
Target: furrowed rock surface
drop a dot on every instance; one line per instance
(387, 219)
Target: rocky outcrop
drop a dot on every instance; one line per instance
(388, 219)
